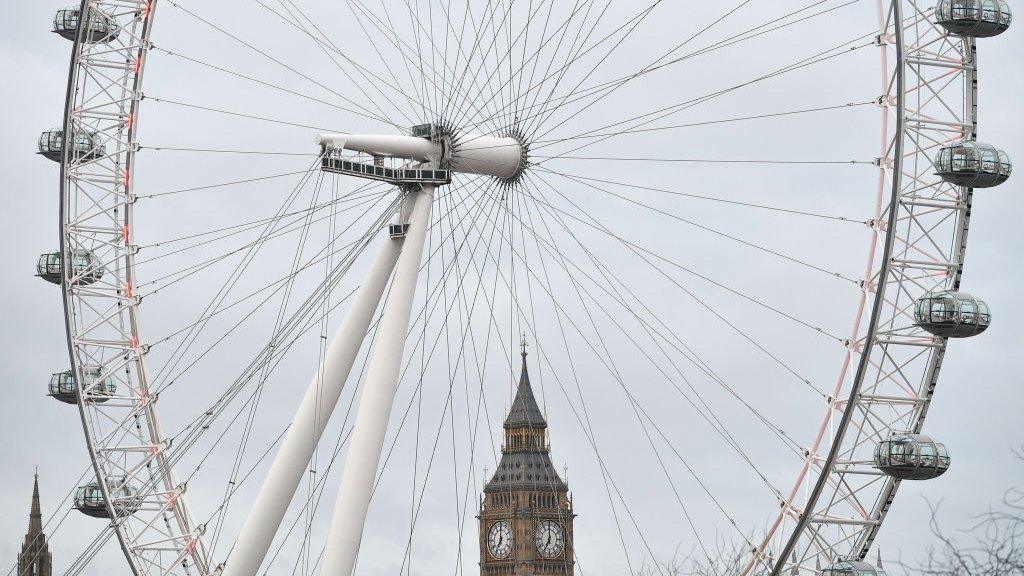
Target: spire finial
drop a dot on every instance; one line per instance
(35, 516)
(523, 344)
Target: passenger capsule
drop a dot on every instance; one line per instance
(974, 18)
(851, 568)
(973, 164)
(86, 268)
(89, 500)
(100, 27)
(952, 314)
(63, 387)
(84, 145)
(911, 457)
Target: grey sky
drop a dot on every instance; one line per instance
(977, 411)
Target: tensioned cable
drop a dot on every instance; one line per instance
(703, 197)
(222, 291)
(539, 144)
(551, 246)
(610, 87)
(327, 47)
(365, 112)
(601, 228)
(221, 234)
(663, 112)
(237, 114)
(614, 486)
(610, 480)
(494, 329)
(265, 83)
(557, 306)
(701, 160)
(263, 377)
(227, 151)
(716, 232)
(222, 184)
(643, 254)
(505, 107)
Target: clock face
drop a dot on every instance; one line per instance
(499, 540)
(549, 539)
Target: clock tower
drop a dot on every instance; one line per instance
(526, 512)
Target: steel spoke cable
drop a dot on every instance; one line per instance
(224, 231)
(227, 151)
(703, 160)
(364, 111)
(608, 362)
(633, 23)
(717, 424)
(650, 258)
(587, 432)
(581, 291)
(237, 114)
(591, 222)
(660, 113)
(221, 185)
(540, 144)
(628, 510)
(292, 219)
(605, 89)
(370, 16)
(178, 276)
(494, 329)
(577, 50)
(549, 291)
(232, 279)
(531, 318)
(578, 38)
(496, 91)
(754, 245)
(324, 43)
(290, 226)
(270, 85)
(263, 377)
(768, 207)
(550, 245)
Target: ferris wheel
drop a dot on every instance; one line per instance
(317, 228)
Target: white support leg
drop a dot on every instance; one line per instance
(378, 395)
(296, 450)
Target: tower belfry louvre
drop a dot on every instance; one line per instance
(34, 558)
(526, 514)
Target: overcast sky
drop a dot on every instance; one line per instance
(977, 408)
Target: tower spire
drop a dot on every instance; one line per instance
(34, 558)
(35, 517)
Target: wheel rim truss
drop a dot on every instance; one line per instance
(840, 500)
(128, 450)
